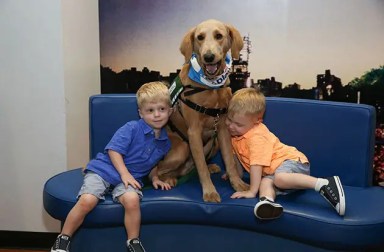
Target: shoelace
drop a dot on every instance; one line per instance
(332, 193)
(61, 243)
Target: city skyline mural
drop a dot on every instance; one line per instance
(321, 49)
(293, 41)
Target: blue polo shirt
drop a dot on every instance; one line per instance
(141, 151)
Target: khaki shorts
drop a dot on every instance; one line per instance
(97, 186)
(290, 166)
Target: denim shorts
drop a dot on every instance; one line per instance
(97, 186)
(290, 166)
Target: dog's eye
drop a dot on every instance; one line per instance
(200, 37)
(219, 36)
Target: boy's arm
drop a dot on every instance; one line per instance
(126, 177)
(255, 178)
(256, 173)
(156, 182)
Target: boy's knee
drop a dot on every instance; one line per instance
(87, 202)
(130, 200)
(279, 180)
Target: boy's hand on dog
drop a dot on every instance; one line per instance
(163, 185)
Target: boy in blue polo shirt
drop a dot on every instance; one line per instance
(132, 153)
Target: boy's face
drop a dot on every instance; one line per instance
(239, 124)
(156, 114)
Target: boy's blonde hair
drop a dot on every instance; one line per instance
(247, 101)
(153, 92)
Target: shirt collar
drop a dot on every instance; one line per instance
(148, 130)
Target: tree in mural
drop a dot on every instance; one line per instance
(371, 88)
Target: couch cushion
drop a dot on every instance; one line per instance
(307, 217)
(338, 138)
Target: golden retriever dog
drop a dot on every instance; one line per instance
(201, 94)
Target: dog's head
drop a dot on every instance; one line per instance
(210, 41)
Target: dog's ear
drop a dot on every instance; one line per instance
(186, 47)
(237, 41)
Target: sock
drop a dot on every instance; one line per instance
(129, 240)
(320, 183)
(268, 198)
(61, 235)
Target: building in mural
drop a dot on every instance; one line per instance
(240, 76)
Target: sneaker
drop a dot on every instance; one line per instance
(135, 245)
(334, 194)
(266, 209)
(61, 244)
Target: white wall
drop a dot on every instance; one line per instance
(81, 73)
(49, 66)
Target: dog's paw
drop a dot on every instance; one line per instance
(214, 168)
(240, 185)
(212, 197)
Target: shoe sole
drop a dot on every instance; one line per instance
(341, 195)
(266, 211)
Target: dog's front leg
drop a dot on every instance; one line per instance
(196, 145)
(226, 151)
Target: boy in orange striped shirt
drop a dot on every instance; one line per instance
(274, 167)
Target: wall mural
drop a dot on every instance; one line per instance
(323, 49)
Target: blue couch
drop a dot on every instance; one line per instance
(338, 139)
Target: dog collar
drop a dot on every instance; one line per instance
(196, 73)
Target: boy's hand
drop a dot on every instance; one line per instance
(243, 194)
(128, 179)
(156, 182)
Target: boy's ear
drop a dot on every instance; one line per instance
(141, 116)
(259, 120)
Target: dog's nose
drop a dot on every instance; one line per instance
(209, 57)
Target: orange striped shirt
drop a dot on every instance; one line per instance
(261, 147)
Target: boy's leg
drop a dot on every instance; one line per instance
(130, 199)
(93, 185)
(132, 214)
(285, 181)
(73, 221)
(77, 214)
(295, 175)
(266, 208)
(267, 189)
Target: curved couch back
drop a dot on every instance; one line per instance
(338, 138)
